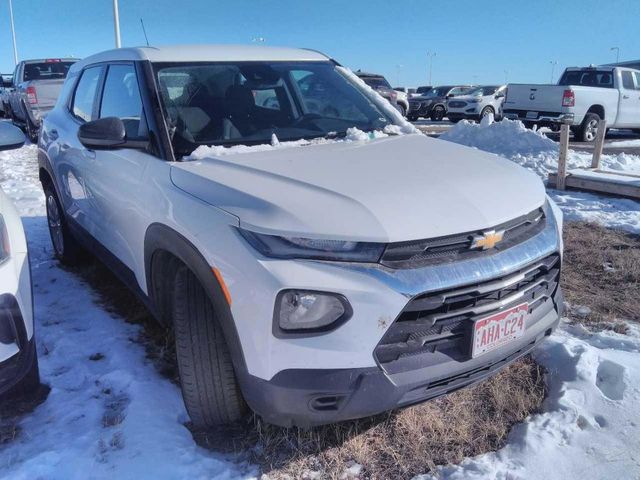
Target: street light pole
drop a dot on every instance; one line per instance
(430, 55)
(13, 34)
(116, 22)
(553, 67)
(617, 49)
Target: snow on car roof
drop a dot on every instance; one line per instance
(205, 53)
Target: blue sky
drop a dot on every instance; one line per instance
(475, 42)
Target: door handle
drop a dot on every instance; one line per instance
(90, 154)
(64, 147)
(53, 134)
(625, 96)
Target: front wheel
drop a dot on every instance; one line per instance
(209, 386)
(402, 110)
(486, 111)
(438, 113)
(412, 118)
(31, 131)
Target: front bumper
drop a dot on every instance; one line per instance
(17, 351)
(311, 397)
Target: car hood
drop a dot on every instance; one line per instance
(391, 189)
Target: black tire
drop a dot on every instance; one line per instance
(588, 128)
(412, 118)
(65, 246)
(438, 113)
(210, 389)
(31, 131)
(30, 383)
(402, 110)
(486, 111)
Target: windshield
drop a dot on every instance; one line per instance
(246, 103)
(438, 92)
(587, 78)
(483, 91)
(48, 70)
(376, 82)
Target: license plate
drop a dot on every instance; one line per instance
(533, 115)
(498, 329)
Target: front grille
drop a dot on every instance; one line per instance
(457, 104)
(443, 321)
(454, 248)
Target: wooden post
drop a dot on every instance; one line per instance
(562, 158)
(599, 145)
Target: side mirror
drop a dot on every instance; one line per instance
(500, 95)
(451, 95)
(11, 137)
(107, 133)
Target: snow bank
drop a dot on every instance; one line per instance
(591, 424)
(505, 138)
(536, 152)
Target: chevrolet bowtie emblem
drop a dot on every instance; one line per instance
(486, 240)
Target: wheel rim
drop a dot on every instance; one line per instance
(439, 113)
(55, 225)
(486, 112)
(591, 130)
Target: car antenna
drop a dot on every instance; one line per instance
(144, 31)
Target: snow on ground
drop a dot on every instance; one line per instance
(118, 418)
(538, 153)
(591, 425)
(110, 418)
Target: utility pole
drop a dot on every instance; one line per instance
(13, 34)
(116, 22)
(617, 49)
(553, 68)
(430, 55)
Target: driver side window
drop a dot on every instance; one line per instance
(121, 99)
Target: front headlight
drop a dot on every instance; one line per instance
(304, 310)
(274, 246)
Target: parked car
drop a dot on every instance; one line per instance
(477, 103)
(36, 86)
(18, 359)
(433, 104)
(582, 97)
(5, 89)
(380, 85)
(423, 90)
(312, 284)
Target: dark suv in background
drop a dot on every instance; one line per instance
(433, 104)
(380, 85)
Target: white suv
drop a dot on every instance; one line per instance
(18, 360)
(330, 264)
(477, 103)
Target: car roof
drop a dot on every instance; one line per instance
(51, 60)
(205, 53)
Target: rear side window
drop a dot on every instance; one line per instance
(121, 98)
(637, 77)
(85, 95)
(587, 78)
(627, 80)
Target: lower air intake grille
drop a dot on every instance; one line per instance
(442, 321)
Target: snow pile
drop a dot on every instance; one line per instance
(591, 424)
(507, 138)
(353, 135)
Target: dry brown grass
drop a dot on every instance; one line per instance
(399, 444)
(602, 272)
